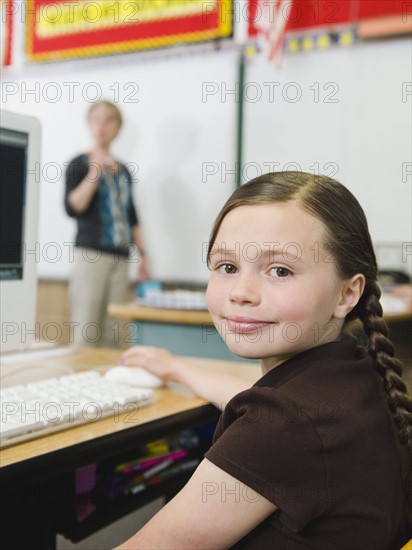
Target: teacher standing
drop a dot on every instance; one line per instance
(99, 195)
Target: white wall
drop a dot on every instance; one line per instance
(174, 134)
(366, 134)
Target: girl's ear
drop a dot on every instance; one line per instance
(352, 290)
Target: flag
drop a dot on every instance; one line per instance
(271, 18)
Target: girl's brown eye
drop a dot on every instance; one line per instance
(281, 271)
(229, 269)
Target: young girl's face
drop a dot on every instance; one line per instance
(273, 289)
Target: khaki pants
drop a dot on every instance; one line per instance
(98, 278)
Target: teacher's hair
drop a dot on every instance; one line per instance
(109, 105)
(349, 242)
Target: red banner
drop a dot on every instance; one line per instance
(61, 29)
(306, 14)
(7, 12)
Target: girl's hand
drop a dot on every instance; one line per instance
(156, 360)
(214, 386)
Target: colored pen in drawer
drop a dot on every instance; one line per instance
(149, 462)
(147, 474)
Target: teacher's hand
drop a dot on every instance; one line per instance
(103, 162)
(144, 274)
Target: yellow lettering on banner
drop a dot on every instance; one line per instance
(87, 15)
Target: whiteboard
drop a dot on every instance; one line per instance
(343, 112)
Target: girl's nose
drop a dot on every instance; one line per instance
(245, 290)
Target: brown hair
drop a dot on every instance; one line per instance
(116, 111)
(349, 241)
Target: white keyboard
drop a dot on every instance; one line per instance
(36, 409)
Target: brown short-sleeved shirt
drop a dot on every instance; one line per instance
(315, 437)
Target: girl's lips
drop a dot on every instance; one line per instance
(245, 324)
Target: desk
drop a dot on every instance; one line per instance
(37, 478)
(188, 332)
(160, 315)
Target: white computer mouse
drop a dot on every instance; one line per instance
(133, 376)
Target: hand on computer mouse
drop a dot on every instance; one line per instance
(158, 361)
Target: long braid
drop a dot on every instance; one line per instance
(388, 367)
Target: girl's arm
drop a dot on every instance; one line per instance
(218, 388)
(212, 511)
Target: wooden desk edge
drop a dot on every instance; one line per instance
(159, 315)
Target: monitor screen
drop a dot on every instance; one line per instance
(13, 158)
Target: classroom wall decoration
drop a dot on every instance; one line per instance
(7, 12)
(63, 29)
(309, 24)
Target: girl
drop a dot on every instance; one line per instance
(316, 454)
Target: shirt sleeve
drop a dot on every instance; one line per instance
(131, 210)
(264, 440)
(75, 173)
(132, 215)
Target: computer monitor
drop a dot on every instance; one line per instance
(19, 205)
